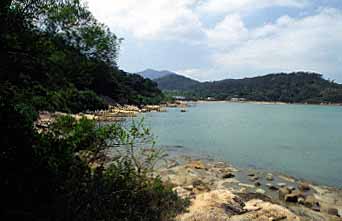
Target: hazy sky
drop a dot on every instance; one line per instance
(217, 39)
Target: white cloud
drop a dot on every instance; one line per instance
(310, 43)
(229, 32)
(148, 19)
(234, 6)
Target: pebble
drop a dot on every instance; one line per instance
(281, 184)
(246, 185)
(261, 191)
(269, 177)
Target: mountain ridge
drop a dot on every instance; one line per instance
(294, 87)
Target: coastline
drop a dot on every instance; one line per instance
(198, 178)
(264, 102)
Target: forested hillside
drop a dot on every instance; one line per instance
(175, 82)
(294, 87)
(57, 56)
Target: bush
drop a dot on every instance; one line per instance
(62, 174)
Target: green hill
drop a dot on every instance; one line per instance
(294, 87)
(175, 82)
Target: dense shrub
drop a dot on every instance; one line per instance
(60, 174)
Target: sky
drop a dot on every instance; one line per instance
(218, 39)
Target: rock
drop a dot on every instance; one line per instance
(253, 205)
(283, 192)
(200, 186)
(189, 188)
(269, 177)
(228, 175)
(287, 178)
(312, 203)
(301, 200)
(182, 193)
(333, 212)
(220, 165)
(213, 205)
(257, 184)
(197, 165)
(304, 186)
(254, 178)
(292, 188)
(281, 184)
(251, 174)
(272, 187)
(316, 207)
(172, 164)
(264, 211)
(291, 198)
(261, 191)
(246, 185)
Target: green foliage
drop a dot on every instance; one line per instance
(59, 57)
(175, 82)
(62, 173)
(295, 87)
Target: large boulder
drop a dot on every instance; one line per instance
(223, 205)
(213, 205)
(259, 210)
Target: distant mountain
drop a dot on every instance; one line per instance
(175, 82)
(153, 74)
(301, 87)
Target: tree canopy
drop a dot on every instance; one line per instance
(54, 52)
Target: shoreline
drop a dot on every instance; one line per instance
(264, 103)
(195, 178)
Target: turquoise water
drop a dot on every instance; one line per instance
(304, 141)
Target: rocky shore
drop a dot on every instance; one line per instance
(112, 114)
(219, 191)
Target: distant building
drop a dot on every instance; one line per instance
(237, 99)
(210, 98)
